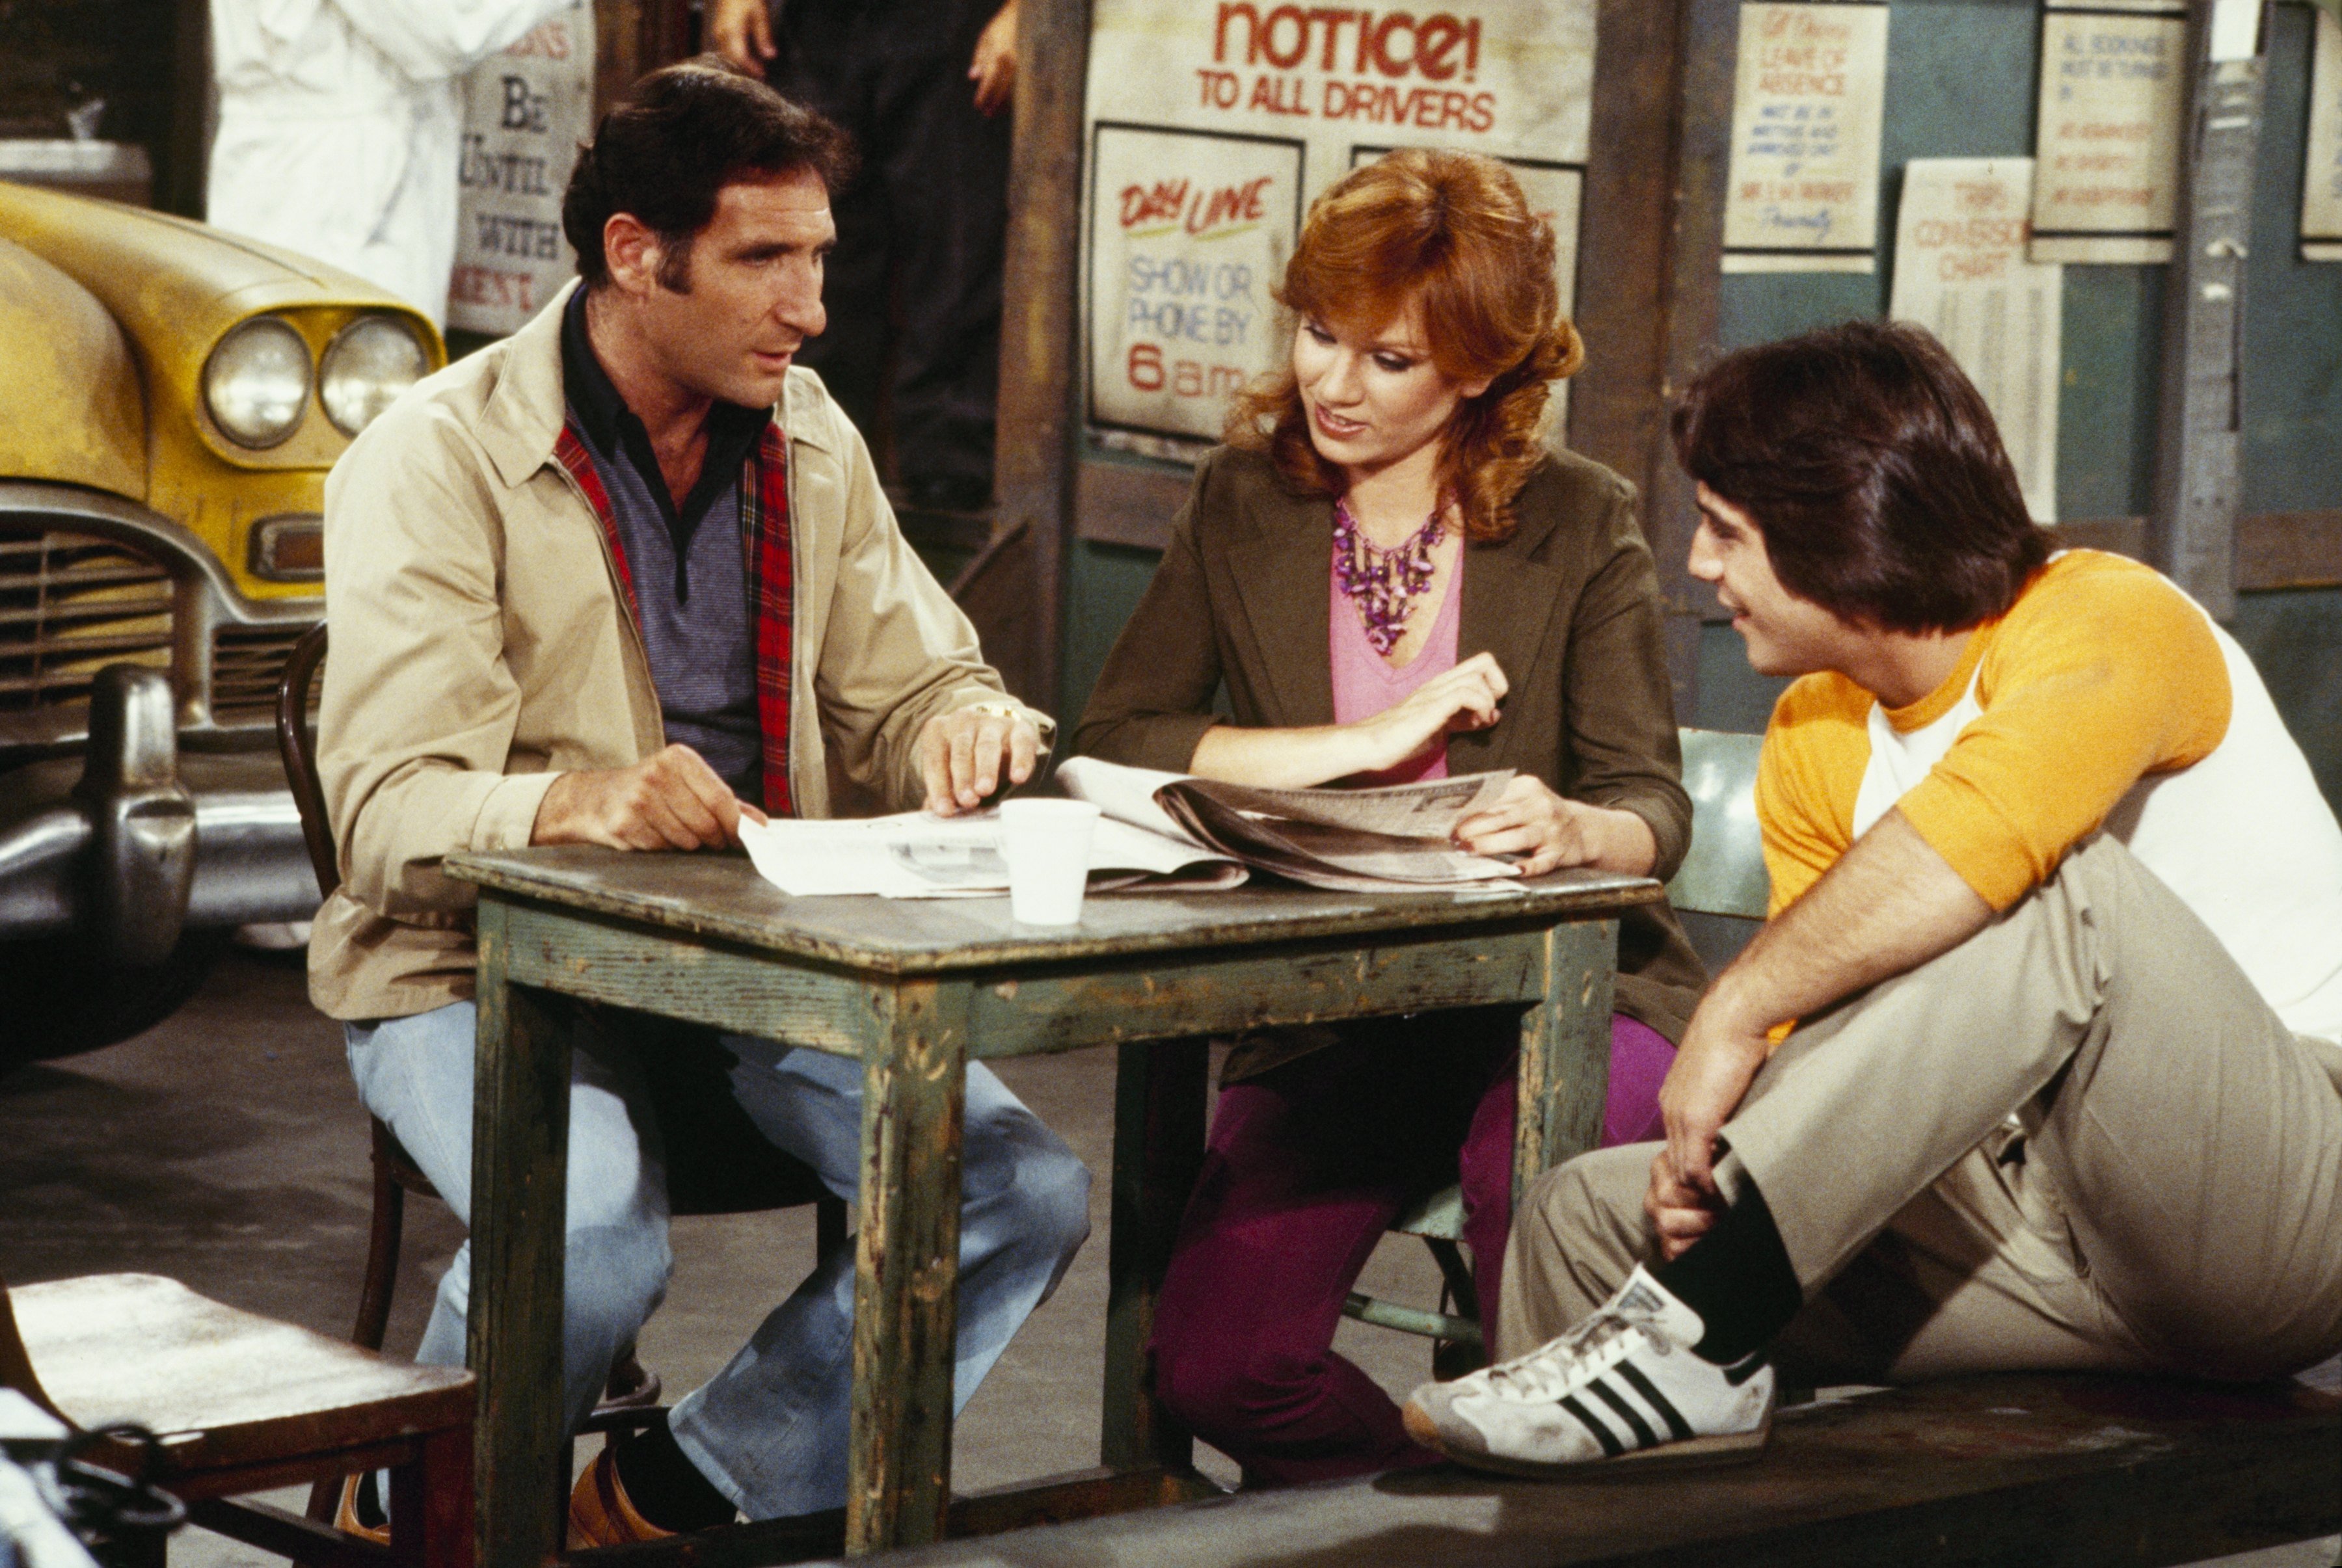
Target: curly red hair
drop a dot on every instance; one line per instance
(1452, 231)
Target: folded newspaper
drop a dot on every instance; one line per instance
(1157, 830)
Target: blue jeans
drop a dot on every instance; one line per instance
(769, 1431)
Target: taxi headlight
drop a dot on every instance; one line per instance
(368, 366)
(257, 382)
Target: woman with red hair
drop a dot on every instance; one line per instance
(1394, 578)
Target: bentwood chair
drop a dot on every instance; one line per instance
(718, 1162)
(1720, 892)
(242, 1404)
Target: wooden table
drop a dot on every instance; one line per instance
(915, 989)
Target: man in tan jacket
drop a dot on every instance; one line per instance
(623, 579)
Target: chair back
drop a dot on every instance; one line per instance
(297, 744)
(1721, 888)
(1724, 870)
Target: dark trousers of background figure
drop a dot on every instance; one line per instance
(913, 290)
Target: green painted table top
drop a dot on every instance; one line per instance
(721, 896)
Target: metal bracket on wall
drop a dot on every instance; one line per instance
(2192, 530)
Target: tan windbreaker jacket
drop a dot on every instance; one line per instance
(481, 647)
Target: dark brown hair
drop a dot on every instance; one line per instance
(688, 130)
(1453, 230)
(1875, 472)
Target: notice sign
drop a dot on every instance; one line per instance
(2321, 177)
(1221, 93)
(2106, 138)
(525, 112)
(1189, 234)
(1962, 272)
(1806, 109)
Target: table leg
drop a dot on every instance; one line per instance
(1564, 1075)
(1160, 1088)
(520, 1155)
(907, 1269)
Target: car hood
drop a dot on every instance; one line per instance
(70, 409)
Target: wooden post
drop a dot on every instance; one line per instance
(1040, 336)
(1158, 1148)
(1564, 1074)
(1650, 248)
(633, 38)
(180, 170)
(2192, 530)
(520, 1162)
(906, 1270)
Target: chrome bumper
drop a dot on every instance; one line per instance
(135, 842)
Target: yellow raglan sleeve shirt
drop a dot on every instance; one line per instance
(1808, 776)
(2101, 673)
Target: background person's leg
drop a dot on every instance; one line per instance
(415, 1074)
(947, 182)
(832, 55)
(771, 1429)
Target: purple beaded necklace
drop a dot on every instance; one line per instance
(1383, 584)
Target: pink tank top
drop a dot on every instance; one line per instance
(1364, 684)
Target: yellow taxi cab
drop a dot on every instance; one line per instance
(171, 396)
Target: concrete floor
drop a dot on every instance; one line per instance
(226, 1148)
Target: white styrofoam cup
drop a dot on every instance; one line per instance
(1047, 844)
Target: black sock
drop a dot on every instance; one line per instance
(1738, 1279)
(664, 1486)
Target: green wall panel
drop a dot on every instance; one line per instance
(2293, 309)
(1103, 585)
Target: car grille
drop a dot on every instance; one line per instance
(247, 663)
(70, 604)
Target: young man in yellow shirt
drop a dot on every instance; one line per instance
(2034, 1065)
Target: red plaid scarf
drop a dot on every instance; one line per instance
(765, 543)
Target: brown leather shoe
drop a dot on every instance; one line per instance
(346, 1517)
(599, 1512)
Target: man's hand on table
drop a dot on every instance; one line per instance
(1719, 1056)
(670, 800)
(969, 754)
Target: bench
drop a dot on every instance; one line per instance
(2026, 1470)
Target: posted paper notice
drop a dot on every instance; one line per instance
(526, 110)
(1808, 103)
(2114, 90)
(2321, 177)
(1961, 272)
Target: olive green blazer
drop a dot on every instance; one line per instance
(1568, 604)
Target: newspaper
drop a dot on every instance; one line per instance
(1157, 830)
(1355, 841)
(917, 854)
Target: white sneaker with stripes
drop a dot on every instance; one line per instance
(1622, 1388)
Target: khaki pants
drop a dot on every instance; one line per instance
(2078, 1139)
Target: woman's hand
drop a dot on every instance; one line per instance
(1467, 697)
(1554, 831)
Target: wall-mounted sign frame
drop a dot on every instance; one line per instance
(1189, 231)
(1808, 108)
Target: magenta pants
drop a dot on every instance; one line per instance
(1306, 1167)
